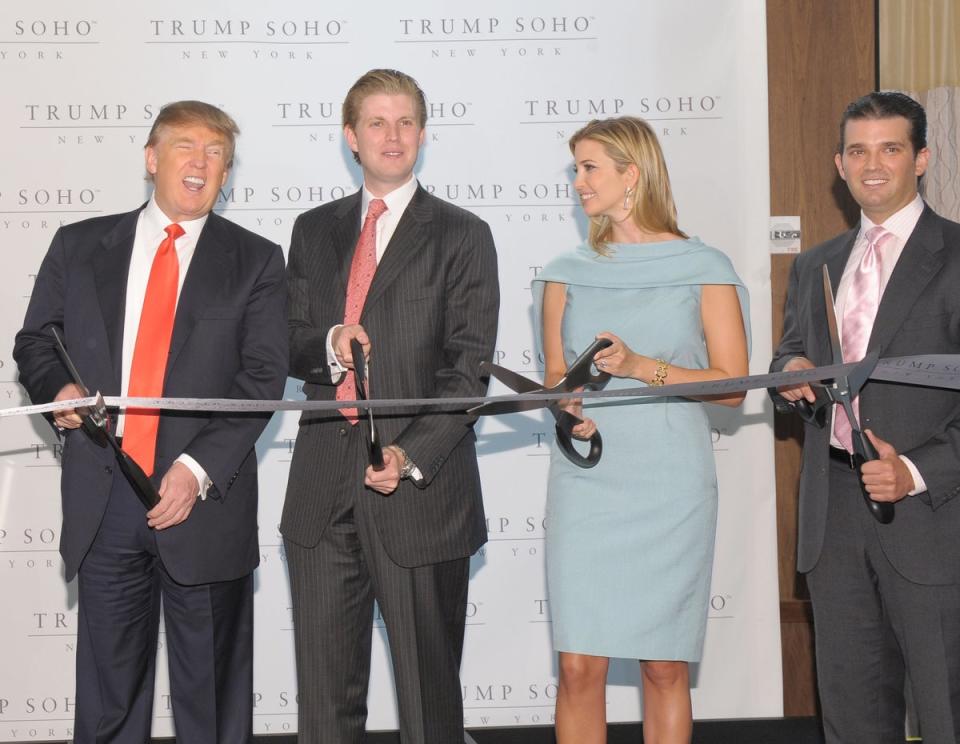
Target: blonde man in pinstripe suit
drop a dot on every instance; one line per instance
(402, 536)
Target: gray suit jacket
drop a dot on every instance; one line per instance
(229, 341)
(431, 314)
(919, 314)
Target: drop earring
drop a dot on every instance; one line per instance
(626, 197)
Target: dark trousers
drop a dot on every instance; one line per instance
(334, 585)
(209, 640)
(876, 631)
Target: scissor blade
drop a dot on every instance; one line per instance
(516, 382)
(69, 363)
(835, 347)
(579, 373)
(94, 419)
(507, 406)
(861, 373)
(360, 378)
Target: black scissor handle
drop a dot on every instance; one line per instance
(376, 453)
(864, 451)
(142, 485)
(564, 428)
(579, 376)
(360, 371)
(814, 413)
(579, 372)
(359, 363)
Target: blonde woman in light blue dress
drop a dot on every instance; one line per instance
(630, 541)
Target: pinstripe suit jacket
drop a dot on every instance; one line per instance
(431, 314)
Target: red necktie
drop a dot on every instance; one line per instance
(362, 268)
(151, 350)
(859, 312)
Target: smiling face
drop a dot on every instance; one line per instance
(598, 182)
(189, 166)
(879, 165)
(387, 139)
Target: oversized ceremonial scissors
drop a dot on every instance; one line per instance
(360, 374)
(577, 377)
(96, 423)
(842, 392)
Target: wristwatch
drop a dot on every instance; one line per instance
(407, 467)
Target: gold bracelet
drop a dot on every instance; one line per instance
(660, 374)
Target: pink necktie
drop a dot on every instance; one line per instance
(859, 312)
(362, 269)
(151, 349)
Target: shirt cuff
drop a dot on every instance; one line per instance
(336, 369)
(198, 472)
(919, 484)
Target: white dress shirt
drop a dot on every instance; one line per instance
(151, 225)
(901, 225)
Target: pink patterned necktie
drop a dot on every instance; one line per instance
(362, 268)
(859, 312)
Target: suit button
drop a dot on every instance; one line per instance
(108, 470)
(343, 431)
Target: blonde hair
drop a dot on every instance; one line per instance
(182, 113)
(630, 140)
(391, 82)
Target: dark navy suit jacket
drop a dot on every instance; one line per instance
(229, 341)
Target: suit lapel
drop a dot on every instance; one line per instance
(920, 261)
(409, 237)
(209, 267)
(835, 261)
(345, 232)
(110, 268)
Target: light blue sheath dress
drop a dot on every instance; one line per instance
(629, 543)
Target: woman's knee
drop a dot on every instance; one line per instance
(581, 672)
(664, 673)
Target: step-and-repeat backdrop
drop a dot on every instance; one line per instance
(507, 84)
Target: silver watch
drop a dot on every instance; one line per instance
(407, 468)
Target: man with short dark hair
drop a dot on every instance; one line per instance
(413, 279)
(167, 300)
(886, 597)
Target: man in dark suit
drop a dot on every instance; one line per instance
(886, 597)
(202, 315)
(404, 535)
